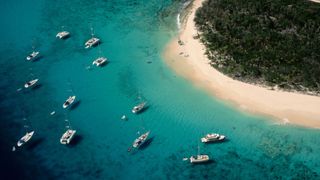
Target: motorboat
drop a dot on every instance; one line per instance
(138, 108)
(99, 61)
(25, 138)
(63, 35)
(140, 140)
(67, 136)
(212, 138)
(69, 101)
(31, 83)
(33, 55)
(92, 42)
(199, 159)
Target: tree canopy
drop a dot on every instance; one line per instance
(274, 41)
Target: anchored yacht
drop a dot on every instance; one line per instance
(63, 35)
(67, 136)
(140, 140)
(138, 108)
(33, 55)
(213, 138)
(99, 61)
(25, 138)
(31, 83)
(69, 101)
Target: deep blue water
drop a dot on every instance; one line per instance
(132, 33)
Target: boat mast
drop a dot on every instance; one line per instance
(92, 34)
(68, 124)
(70, 85)
(31, 74)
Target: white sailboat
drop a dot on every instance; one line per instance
(68, 135)
(24, 139)
(199, 158)
(101, 60)
(63, 34)
(33, 55)
(140, 140)
(69, 101)
(30, 83)
(138, 108)
(93, 41)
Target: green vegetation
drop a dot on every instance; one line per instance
(272, 41)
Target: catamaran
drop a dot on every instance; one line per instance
(140, 140)
(93, 41)
(63, 35)
(25, 138)
(67, 136)
(33, 55)
(99, 61)
(69, 101)
(199, 158)
(30, 83)
(214, 137)
(138, 108)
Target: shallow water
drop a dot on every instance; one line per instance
(133, 34)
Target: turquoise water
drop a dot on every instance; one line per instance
(132, 33)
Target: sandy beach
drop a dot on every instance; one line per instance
(189, 61)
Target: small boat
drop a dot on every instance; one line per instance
(25, 138)
(138, 108)
(140, 140)
(30, 83)
(213, 138)
(63, 35)
(69, 101)
(124, 117)
(33, 55)
(199, 158)
(99, 61)
(67, 136)
(91, 42)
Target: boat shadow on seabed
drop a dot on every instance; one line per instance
(146, 143)
(34, 143)
(75, 105)
(76, 140)
(144, 109)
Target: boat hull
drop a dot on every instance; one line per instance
(199, 159)
(69, 101)
(30, 83)
(67, 136)
(25, 139)
(213, 138)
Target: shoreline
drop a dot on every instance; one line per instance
(189, 61)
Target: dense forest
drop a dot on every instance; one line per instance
(276, 42)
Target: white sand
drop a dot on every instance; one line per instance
(192, 64)
(317, 1)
